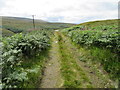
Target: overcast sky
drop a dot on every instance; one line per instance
(69, 11)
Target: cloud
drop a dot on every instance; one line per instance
(2, 4)
(71, 11)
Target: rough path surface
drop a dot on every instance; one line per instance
(52, 77)
(64, 68)
(95, 75)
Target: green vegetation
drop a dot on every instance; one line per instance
(17, 25)
(6, 32)
(19, 53)
(77, 69)
(101, 38)
(34, 68)
(23, 54)
(73, 75)
(93, 55)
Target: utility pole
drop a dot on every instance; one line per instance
(33, 22)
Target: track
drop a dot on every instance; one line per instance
(64, 68)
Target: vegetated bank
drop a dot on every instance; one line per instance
(23, 57)
(101, 43)
(79, 74)
(25, 50)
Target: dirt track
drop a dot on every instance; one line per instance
(86, 74)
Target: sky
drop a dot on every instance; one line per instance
(67, 11)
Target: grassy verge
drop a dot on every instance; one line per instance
(107, 58)
(101, 44)
(74, 76)
(90, 65)
(34, 69)
(103, 62)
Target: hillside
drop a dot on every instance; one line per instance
(101, 41)
(81, 56)
(6, 32)
(97, 25)
(19, 24)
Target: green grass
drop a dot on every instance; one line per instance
(101, 40)
(74, 76)
(6, 32)
(103, 25)
(108, 60)
(34, 68)
(101, 59)
(23, 58)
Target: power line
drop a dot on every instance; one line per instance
(33, 21)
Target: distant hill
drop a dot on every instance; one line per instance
(20, 24)
(23, 19)
(6, 32)
(96, 25)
